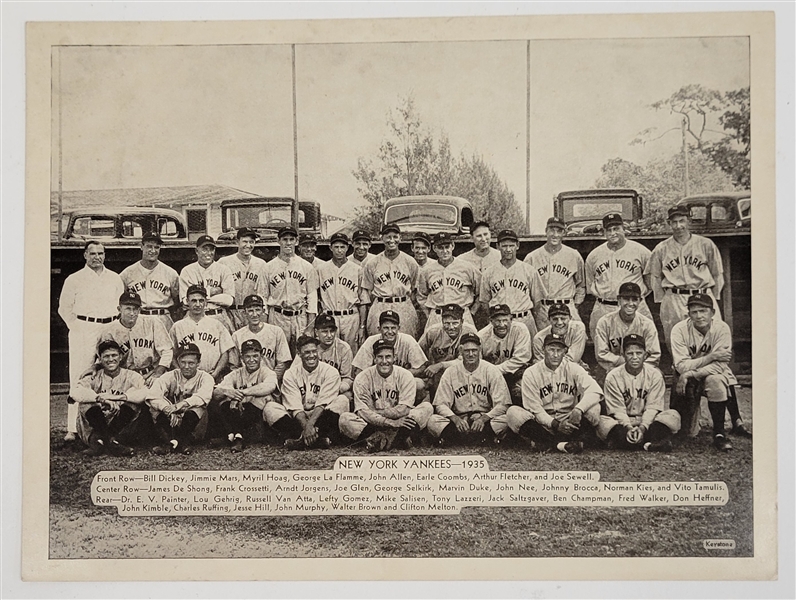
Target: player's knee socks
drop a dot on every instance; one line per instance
(449, 434)
(732, 407)
(658, 432)
(287, 427)
(717, 410)
(123, 419)
(163, 428)
(527, 429)
(189, 422)
(617, 436)
(329, 425)
(367, 432)
(96, 418)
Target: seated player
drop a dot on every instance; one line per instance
(506, 343)
(560, 402)
(573, 332)
(701, 353)
(178, 403)
(311, 403)
(109, 403)
(384, 404)
(333, 351)
(471, 400)
(440, 343)
(238, 401)
(276, 352)
(634, 399)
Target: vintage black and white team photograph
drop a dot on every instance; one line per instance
(266, 256)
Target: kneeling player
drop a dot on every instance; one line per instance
(634, 395)
(178, 402)
(110, 401)
(240, 398)
(384, 404)
(471, 399)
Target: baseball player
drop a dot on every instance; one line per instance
(613, 263)
(701, 352)
(361, 242)
(421, 246)
(333, 351)
(144, 343)
(216, 279)
(448, 281)
(388, 282)
(339, 292)
(178, 402)
(513, 282)
(440, 343)
(471, 399)
(276, 352)
(634, 398)
(613, 327)
(561, 271)
(384, 404)
(247, 273)
(507, 345)
(157, 283)
(208, 334)
(560, 402)
(311, 404)
(292, 289)
(682, 265)
(573, 332)
(110, 400)
(239, 400)
(88, 301)
(482, 255)
(307, 248)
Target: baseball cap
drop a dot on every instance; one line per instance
(186, 349)
(196, 289)
(130, 297)
(554, 338)
(287, 231)
(339, 237)
(478, 224)
(612, 219)
(678, 211)
(499, 310)
(151, 237)
(250, 345)
(389, 315)
(469, 338)
(390, 228)
(325, 321)
(205, 240)
(380, 345)
(422, 237)
(307, 238)
(252, 300)
(453, 310)
(634, 339)
(629, 290)
(360, 234)
(108, 345)
(558, 309)
(556, 222)
(700, 300)
(247, 232)
(443, 237)
(507, 234)
(305, 340)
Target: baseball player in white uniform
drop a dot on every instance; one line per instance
(239, 400)
(88, 301)
(682, 265)
(361, 242)
(339, 292)
(421, 246)
(247, 273)
(178, 403)
(560, 402)
(471, 399)
(573, 332)
(109, 401)
(384, 402)
(613, 327)
(292, 289)
(448, 281)
(311, 401)
(440, 343)
(208, 334)
(513, 282)
(333, 351)
(215, 277)
(561, 270)
(307, 247)
(388, 282)
(276, 352)
(143, 341)
(637, 418)
(482, 255)
(507, 345)
(613, 263)
(157, 283)
(701, 352)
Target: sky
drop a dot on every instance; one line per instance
(194, 115)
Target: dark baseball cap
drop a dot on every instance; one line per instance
(108, 345)
(677, 211)
(612, 219)
(252, 300)
(443, 237)
(151, 237)
(499, 310)
(247, 232)
(287, 231)
(339, 237)
(700, 300)
(558, 309)
(196, 289)
(390, 228)
(421, 236)
(250, 345)
(629, 290)
(325, 321)
(305, 340)
(556, 222)
(186, 349)
(507, 234)
(554, 338)
(380, 345)
(360, 234)
(307, 238)
(389, 315)
(469, 338)
(453, 310)
(633, 339)
(205, 240)
(130, 297)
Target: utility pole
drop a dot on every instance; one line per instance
(295, 211)
(528, 136)
(685, 155)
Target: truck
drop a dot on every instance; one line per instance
(720, 211)
(430, 214)
(583, 210)
(267, 215)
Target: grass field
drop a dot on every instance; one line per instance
(78, 529)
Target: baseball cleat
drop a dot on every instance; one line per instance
(95, 446)
(741, 431)
(574, 447)
(721, 443)
(323, 443)
(662, 446)
(117, 449)
(296, 444)
(70, 436)
(162, 450)
(237, 446)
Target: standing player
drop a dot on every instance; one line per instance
(513, 282)
(573, 332)
(448, 281)
(214, 277)
(683, 265)
(388, 281)
(157, 283)
(482, 255)
(421, 245)
(339, 292)
(507, 345)
(613, 263)
(88, 301)
(440, 343)
(247, 273)
(361, 242)
(209, 335)
(307, 248)
(561, 270)
(276, 352)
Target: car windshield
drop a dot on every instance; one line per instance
(260, 217)
(745, 208)
(576, 209)
(418, 213)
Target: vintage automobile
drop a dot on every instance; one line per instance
(582, 210)
(119, 225)
(267, 216)
(430, 214)
(720, 211)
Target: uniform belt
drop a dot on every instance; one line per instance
(155, 311)
(551, 302)
(238, 306)
(391, 300)
(342, 313)
(287, 312)
(686, 292)
(608, 302)
(520, 315)
(96, 319)
(214, 311)
(144, 370)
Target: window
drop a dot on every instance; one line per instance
(197, 222)
(719, 213)
(699, 213)
(418, 213)
(94, 227)
(745, 208)
(132, 229)
(167, 228)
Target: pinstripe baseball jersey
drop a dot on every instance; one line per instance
(611, 329)
(126, 382)
(481, 263)
(216, 279)
(558, 271)
(338, 354)
(242, 379)
(552, 395)
(292, 284)
(249, 277)
(628, 397)
(693, 265)
(385, 278)
(339, 286)
(145, 345)
(408, 353)
(153, 285)
(271, 338)
(575, 338)
(438, 345)
(483, 390)
(518, 286)
(304, 390)
(607, 269)
(691, 349)
(509, 353)
(458, 283)
(173, 388)
(376, 393)
(208, 334)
